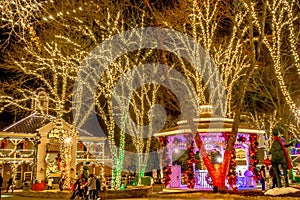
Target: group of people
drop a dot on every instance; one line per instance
(281, 158)
(272, 177)
(87, 190)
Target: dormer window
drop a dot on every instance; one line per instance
(40, 101)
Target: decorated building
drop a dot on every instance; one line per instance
(181, 162)
(32, 149)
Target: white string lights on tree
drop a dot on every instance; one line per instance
(274, 45)
(17, 17)
(55, 62)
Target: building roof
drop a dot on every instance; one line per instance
(29, 124)
(208, 125)
(34, 122)
(84, 133)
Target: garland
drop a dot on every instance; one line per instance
(241, 139)
(253, 156)
(189, 176)
(165, 160)
(226, 137)
(232, 174)
(208, 179)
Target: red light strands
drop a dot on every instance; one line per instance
(189, 173)
(253, 155)
(232, 173)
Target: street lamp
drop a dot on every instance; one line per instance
(216, 157)
(68, 140)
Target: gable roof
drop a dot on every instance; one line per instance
(35, 122)
(29, 124)
(84, 133)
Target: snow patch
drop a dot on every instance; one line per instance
(281, 191)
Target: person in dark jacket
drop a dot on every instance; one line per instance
(9, 183)
(263, 178)
(77, 190)
(280, 157)
(98, 187)
(273, 176)
(1, 182)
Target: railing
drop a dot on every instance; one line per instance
(6, 153)
(25, 153)
(200, 179)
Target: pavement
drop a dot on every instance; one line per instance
(45, 194)
(170, 193)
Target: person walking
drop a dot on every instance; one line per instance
(9, 183)
(263, 178)
(281, 157)
(1, 182)
(92, 187)
(77, 190)
(49, 184)
(61, 182)
(98, 187)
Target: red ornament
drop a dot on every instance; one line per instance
(25, 143)
(5, 143)
(81, 146)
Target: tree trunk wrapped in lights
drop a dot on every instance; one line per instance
(204, 28)
(189, 173)
(217, 172)
(232, 172)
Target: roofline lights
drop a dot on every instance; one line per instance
(219, 130)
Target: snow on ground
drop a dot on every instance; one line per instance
(281, 191)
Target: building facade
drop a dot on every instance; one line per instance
(32, 149)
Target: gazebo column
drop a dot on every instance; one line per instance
(170, 147)
(160, 154)
(165, 160)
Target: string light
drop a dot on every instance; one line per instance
(274, 47)
(19, 17)
(51, 59)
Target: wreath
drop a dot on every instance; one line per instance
(208, 179)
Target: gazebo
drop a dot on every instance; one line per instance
(180, 157)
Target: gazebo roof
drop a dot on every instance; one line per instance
(208, 124)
